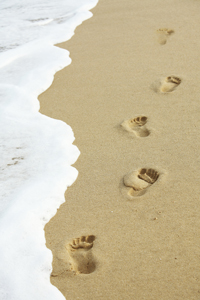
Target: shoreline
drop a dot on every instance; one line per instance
(145, 245)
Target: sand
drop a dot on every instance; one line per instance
(130, 226)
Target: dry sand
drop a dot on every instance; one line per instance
(137, 63)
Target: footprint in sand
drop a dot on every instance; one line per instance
(163, 34)
(166, 85)
(137, 126)
(169, 84)
(139, 181)
(80, 252)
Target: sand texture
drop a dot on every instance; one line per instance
(130, 226)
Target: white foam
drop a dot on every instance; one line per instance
(36, 152)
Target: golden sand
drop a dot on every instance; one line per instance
(130, 226)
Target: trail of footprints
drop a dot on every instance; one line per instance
(137, 182)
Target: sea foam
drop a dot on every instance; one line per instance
(36, 152)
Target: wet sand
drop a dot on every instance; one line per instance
(131, 96)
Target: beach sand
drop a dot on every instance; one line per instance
(131, 96)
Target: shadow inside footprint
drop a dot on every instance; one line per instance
(139, 181)
(80, 252)
(136, 126)
(163, 34)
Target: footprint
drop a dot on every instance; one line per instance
(139, 181)
(166, 85)
(80, 252)
(163, 34)
(169, 84)
(137, 126)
